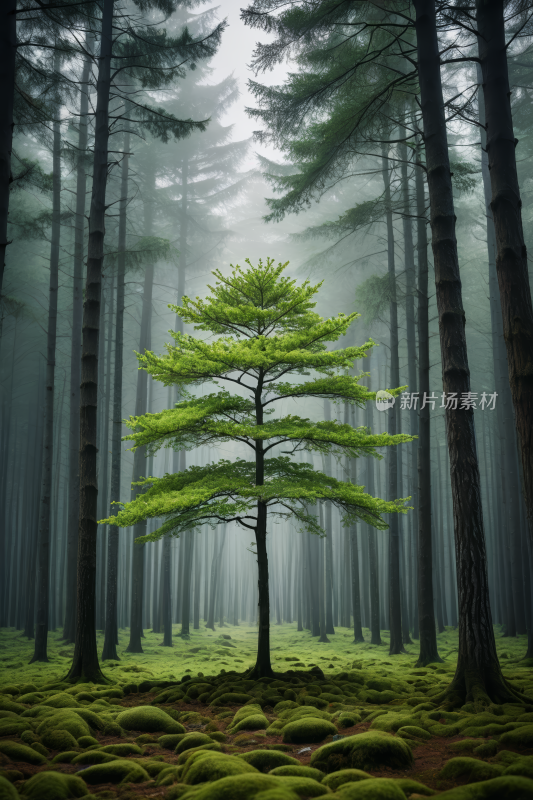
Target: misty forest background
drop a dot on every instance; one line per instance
(186, 189)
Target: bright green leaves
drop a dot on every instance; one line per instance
(227, 491)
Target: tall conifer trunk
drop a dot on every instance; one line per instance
(426, 612)
(69, 628)
(506, 207)
(85, 665)
(396, 643)
(8, 50)
(45, 515)
(478, 677)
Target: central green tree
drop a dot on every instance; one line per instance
(257, 328)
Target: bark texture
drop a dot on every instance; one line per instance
(8, 50)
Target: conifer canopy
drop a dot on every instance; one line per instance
(260, 328)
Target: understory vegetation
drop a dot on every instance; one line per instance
(337, 720)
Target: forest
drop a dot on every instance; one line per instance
(266, 378)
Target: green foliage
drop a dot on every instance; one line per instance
(147, 250)
(462, 179)
(265, 330)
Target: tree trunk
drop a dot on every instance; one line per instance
(85, 666)
(166, 599)
(478, 676)
(506, 207)
(69, 629)
(43, 542)
(8, 50)
(396, 645)
(426, 611)
(356, 592)
(186, 586)
(321, 592)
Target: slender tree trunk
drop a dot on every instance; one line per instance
(8, 50)
(375, 634)
(506, 207)
(356, 591)
(186, 587)
(166, 598)
(396, 644)
(478, 677)
(45, 516)
(85, 666)
(69, 629)
(426, 611)
(321, 591)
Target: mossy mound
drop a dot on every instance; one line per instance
(65, 721)
(508, 787)
(298, 771)
(191, 740)
(7, 790)
(239, 787)
(520, 737)
(57, 739)
(308, 729)
(170, 740)
(464, 745)
(522, 766)
(252, 722)
(168, 776)
(87, 741)
(281, 793)
(232, 699)
(343, 776)
(265, 760)
(61, 700)
(346, 719)
(54, 786)
(119, 771)
(207, 766)
(303, 787)
(409, 787)
(470, 769)
(487, 749)
(393, 721)
(93, 757)
(364, 751)
(373, 789)
(148, 720)
(14, 727)
(21, 752)
(122, 749)
(65, 758)
(213, 746)
(300, 713)
(413, 732)
(315, 702)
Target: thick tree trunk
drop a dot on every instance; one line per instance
(506, 207)
(478, 677)
(426, 611)
(69, 629)
(396, 644)
(85, 666)
(8, 50)
(45, 516)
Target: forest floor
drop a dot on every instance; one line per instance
(341, 720)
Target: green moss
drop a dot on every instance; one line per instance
(507, 757)
(122, 749)
(299, 771)
(240, 787)
(171, 740)
(86, 741)
(169, 775)
(178, 791)
(14, 727)
(508, 787)
(213, 766)
(374, 789)
(444, 730)
(147, 738)
(315, 702)
(365, 751)
(191, 740)
(520, 737)
(347, 719)
(307, 730)
(6, 704)
(343, 776)
(470, 769)
(393, 721)
(67, 721)
(409, 787)
(148, 719)
(39, 748)
(29, 737)
(464, 745)
(300, 713)
(302, 786)
(119, 771)
(93, 757)
(7, 790)
(20, 752)
(253, 722)
(265, 760)
(522, 766)
(413, 732)
(214, 746)
(280, 793)
(65, 758)
(61, 700)
(487, 749)
(232, 699)
(54, 786)
(218, 736)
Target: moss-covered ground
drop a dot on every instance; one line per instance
(341, 720)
